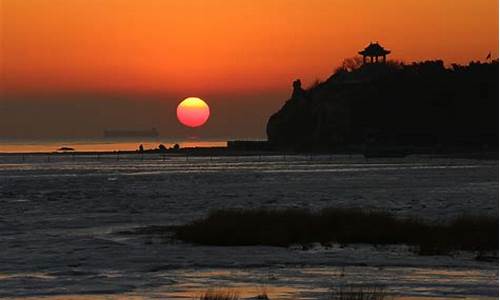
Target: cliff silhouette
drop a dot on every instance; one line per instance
(422, 105)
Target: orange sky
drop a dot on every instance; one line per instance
(192, 45)
(229, 50)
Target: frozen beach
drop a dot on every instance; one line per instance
(61, 221)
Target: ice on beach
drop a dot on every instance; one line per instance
(60, 221)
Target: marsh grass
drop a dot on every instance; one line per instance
(262, 295)
(284, 227)
(352, 292)
(219, 295)
(343, 292)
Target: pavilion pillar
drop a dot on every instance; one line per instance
(374, 52)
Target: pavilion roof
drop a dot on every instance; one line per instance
(374, 49)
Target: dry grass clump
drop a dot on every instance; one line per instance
(343, 292)
(352, 292)
(227, 294)
(219, 295)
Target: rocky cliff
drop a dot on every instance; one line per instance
(419, 105)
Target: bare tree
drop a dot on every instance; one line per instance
(352, 63)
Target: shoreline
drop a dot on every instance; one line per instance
(226, 151)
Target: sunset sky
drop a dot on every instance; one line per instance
(72, 68)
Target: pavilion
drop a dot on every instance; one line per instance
(374, 51)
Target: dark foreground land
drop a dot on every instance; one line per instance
(268, 150)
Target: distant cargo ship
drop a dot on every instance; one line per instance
(121, 133)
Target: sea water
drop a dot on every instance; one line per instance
(60, 224)
(102, 144)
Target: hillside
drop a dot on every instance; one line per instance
(419, 105)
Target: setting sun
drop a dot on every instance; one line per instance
(193, 112)
(263, 149)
